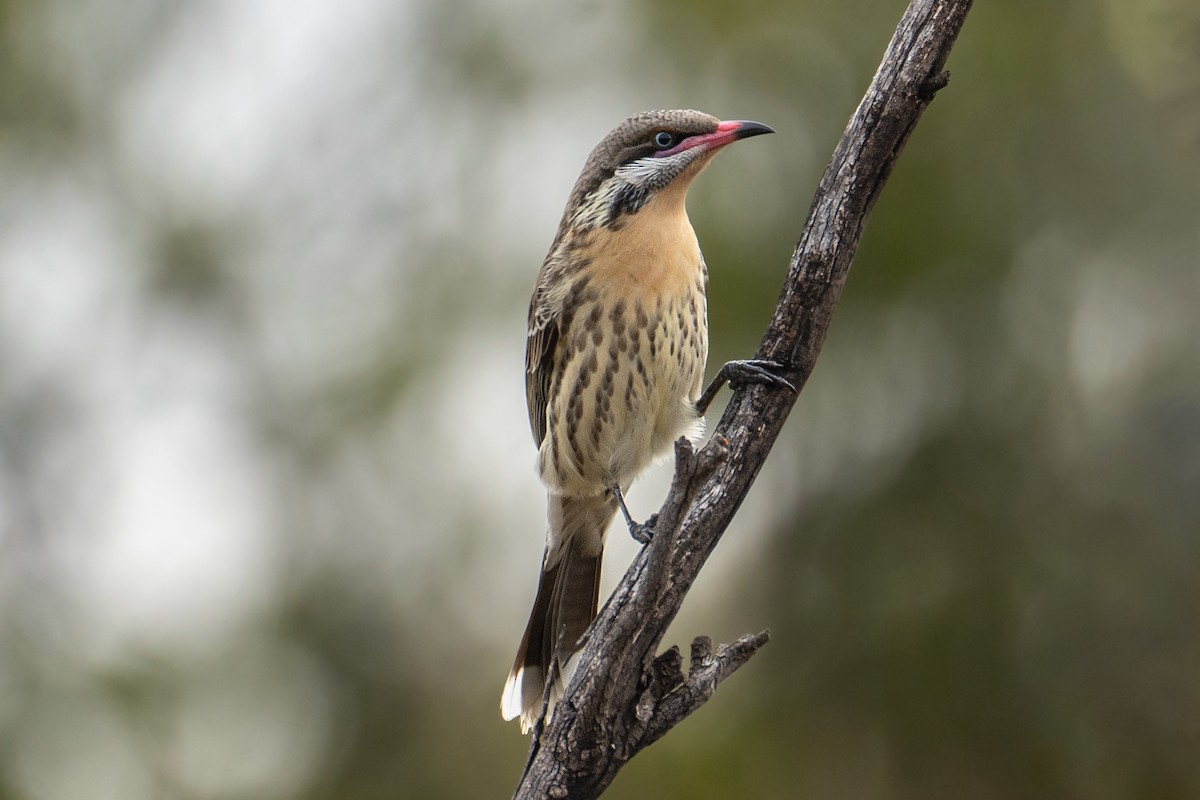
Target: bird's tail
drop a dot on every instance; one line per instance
(567, 598)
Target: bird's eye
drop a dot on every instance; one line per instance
(664, 140)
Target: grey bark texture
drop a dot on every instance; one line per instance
(623, 697)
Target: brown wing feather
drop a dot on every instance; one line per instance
(539, 365)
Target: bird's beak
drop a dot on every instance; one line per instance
(726, 133)
(744, 128)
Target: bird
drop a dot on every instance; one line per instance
(615, 358)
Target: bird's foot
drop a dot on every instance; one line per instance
(739, 373)
(643, 532)
(754, 370)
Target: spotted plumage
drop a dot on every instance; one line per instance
(615, 358)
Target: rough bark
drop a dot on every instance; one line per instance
(622, 697)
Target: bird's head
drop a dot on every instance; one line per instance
(645, 155)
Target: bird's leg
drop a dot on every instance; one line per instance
(739, 373)
(640, 531)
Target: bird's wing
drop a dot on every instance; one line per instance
(539, 359)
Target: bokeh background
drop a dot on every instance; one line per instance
(268, 521)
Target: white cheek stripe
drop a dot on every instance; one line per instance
(647, 168)
(646, 171)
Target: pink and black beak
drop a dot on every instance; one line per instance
(728, 132)
(742, 129)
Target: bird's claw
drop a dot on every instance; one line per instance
(756, 370)
(643, 532)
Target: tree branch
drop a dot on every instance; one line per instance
(621, 697)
